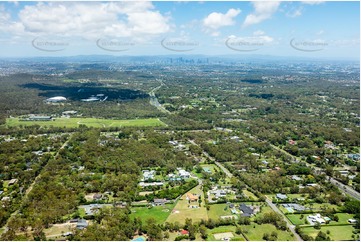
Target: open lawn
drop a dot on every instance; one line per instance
(336, 232)
(159, 213)
(224, 229)
(296, 220)
(342, 218)
(91, 122)
(217, 210)
(249, 194)
(182, 211)
(255, 232)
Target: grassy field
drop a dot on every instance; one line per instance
(91, 122)
(159, 213)
(336, 232)
(57, 230)
(295, 218)
(225, 229)
(249, 194)
(343, 217)
(255, 232)
(323, 206)
(183, 211)
(218, 210)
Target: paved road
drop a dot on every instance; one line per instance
(289, 225)
(347, 189)
(154, 100)
(224, 169)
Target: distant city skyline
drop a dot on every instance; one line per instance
(313, 29)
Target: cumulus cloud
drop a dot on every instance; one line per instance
(258, 38)
(215, 20)
(262, 11)
(91, 20)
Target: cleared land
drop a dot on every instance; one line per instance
(222, 236)
(91, 122)
(218, 210)
(336, 232)
(57, 230)
(182, 211)
(159, 213)
(255, 232)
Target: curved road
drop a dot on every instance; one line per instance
(154, 100)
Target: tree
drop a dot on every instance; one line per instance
(274, 235)
(238, 230)
(317, 225)
(166, 235)
(203, 231)
(154, 232)
(321, 236)
(352, 206)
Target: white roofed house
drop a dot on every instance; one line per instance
(281, 196)
(148, 175)
(184, 174)
(12, 182)
(316, 219)
(56, 99)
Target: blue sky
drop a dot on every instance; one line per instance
(307, 29)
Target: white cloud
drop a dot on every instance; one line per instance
(293, 13)
(312, 2)
(90, 20)
(262, 11)
(258, 37)
(215, 20)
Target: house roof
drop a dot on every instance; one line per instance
(82, 223)
(247, 211)
(157, 200)
(184, 232)
(281, 196)
(191, 196)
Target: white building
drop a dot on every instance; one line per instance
(56, 99)
(316, 219)
(184, 174)
(148, 175)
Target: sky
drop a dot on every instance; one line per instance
(314, 29)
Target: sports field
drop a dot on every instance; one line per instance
(90, 122)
